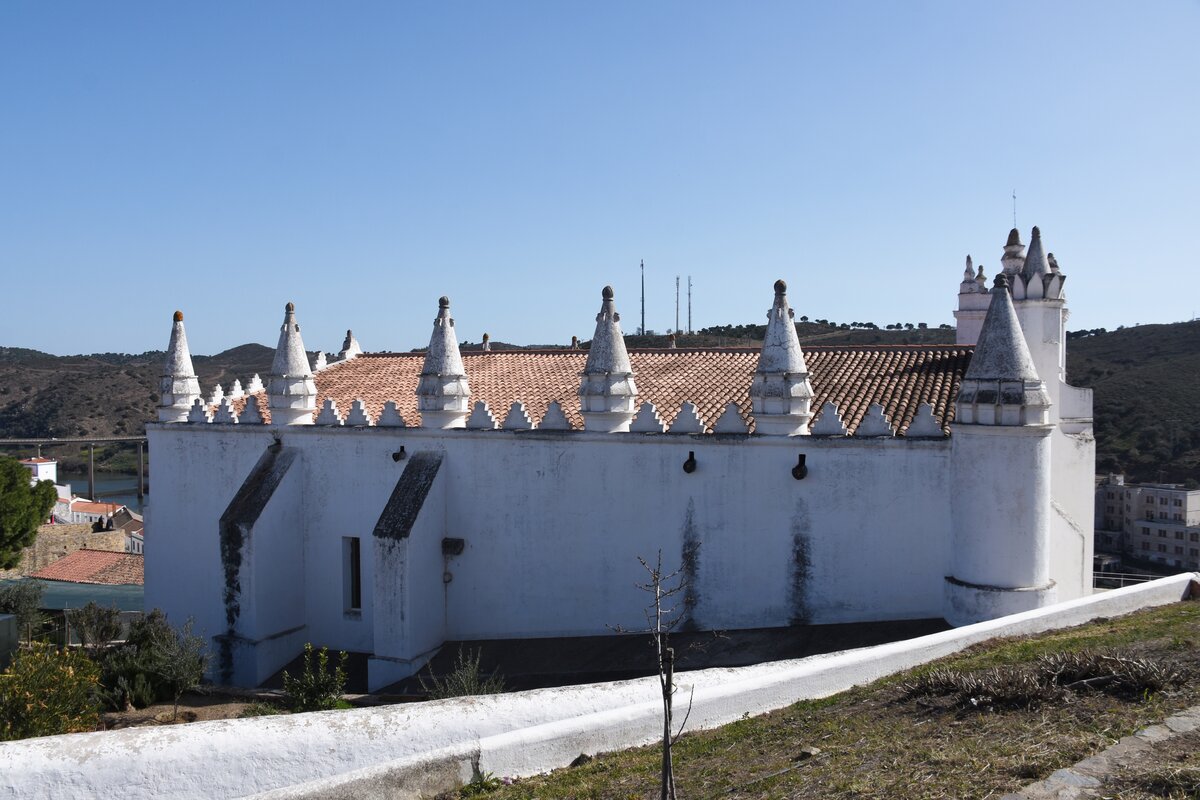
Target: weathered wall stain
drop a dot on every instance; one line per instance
(801, 566)
(689, 568)
(235, 527)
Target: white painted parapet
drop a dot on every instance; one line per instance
(178, 388)
(417, 750)
(291, 390)
(607, 392)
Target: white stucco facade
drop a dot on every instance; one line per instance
(461, 530)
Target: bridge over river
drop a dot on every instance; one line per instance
(91, 443)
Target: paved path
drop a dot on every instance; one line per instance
(1086, 779)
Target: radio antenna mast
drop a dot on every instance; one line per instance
(676, 304)
(642, 330)
(689, 327)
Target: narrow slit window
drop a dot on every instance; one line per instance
(351, 573)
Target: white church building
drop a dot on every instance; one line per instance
(386, 503)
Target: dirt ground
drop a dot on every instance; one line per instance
(193, 707)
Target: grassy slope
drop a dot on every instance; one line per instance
(875, 743)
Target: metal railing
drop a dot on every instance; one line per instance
(1115, 580)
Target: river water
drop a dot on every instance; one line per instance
(112, 487)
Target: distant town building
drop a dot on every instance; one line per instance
(1152, 521)
(41, 469)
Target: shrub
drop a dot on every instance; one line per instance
(23, 599)
(155, 663)
(46, 691)
(181, 664)
(465, 680)
(316, 689)
(95, 626)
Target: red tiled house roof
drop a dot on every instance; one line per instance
(898, 377)
(95, 566)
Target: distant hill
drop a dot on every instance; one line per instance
(1145, 380)
(1147, 386)
(102, 394)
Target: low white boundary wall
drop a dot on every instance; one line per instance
(417, 749)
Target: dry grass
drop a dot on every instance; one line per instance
(883, 741)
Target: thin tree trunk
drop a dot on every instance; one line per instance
(668, 681)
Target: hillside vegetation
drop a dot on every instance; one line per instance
(1145, 381)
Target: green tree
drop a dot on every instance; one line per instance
(22, 508)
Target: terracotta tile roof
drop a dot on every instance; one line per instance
(38, 460)
(95, 566)
(898, 377)
(89, 507)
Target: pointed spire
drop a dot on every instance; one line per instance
(969, 284)
(1036, 267)
(178, 387)
(236, 391)
(350, 347)
(216, 395)
(291, 390)
(607, 392)
(443, 395)
(1014, 254)
(255, 385)
(1001, 385)
(780, 393)
(320, 362)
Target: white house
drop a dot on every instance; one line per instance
(41, 469)
(391, 502)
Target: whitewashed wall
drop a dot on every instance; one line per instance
(554, 523)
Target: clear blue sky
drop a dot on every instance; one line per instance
(362, 159)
